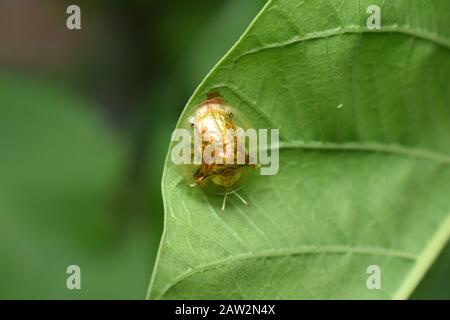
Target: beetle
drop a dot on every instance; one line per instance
(212, 121)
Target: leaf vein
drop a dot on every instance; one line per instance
(421, 34)
(304, 250)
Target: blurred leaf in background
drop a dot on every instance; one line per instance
(60, 169)
(436, 283)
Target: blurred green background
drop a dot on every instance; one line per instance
(85, 122)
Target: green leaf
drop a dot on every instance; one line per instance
(364, 159)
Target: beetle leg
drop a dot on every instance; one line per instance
(240, 197)
(224, 202)
(199, 176)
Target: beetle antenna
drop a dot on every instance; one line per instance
(224, 202)
(242, 199)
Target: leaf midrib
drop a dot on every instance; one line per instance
(374, 147)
